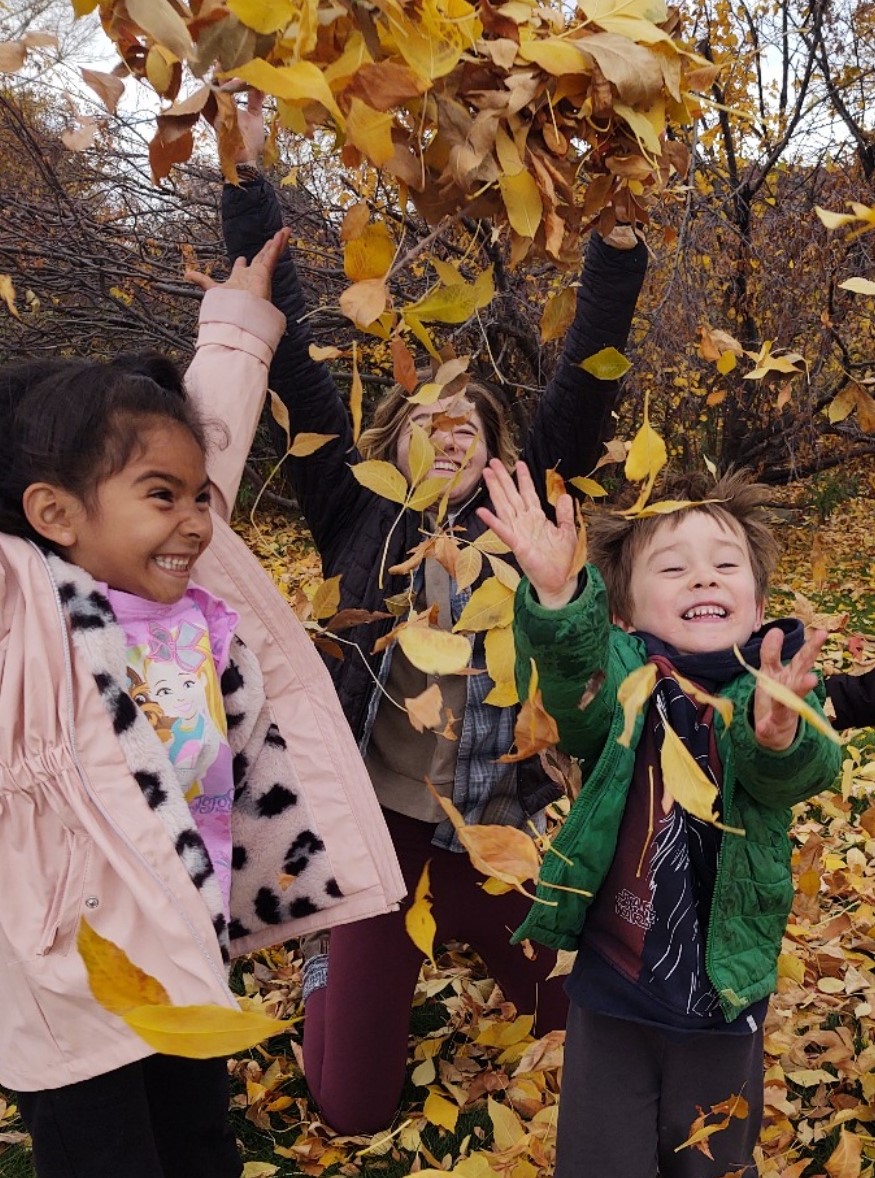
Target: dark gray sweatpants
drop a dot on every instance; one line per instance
(630, 1093)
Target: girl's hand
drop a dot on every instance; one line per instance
(775, 724)
(253, 277)
(545, 550)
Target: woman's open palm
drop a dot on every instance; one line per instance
(545, 551)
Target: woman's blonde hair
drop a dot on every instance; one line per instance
(381, 439)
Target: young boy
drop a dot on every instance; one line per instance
(679, 935)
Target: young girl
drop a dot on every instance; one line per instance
(105, 519)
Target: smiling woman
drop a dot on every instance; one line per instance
(358, 1003)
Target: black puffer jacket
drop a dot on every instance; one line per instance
(853, 697)
(349, 523)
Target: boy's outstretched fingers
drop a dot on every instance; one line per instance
(776, 724)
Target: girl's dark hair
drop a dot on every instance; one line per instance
(75, 423)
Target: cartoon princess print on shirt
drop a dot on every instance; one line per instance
(182, 681)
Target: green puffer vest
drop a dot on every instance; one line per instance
(754, 889)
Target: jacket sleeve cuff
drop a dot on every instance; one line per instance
(223, 316)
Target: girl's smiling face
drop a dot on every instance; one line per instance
(693, 585)
(150, 521)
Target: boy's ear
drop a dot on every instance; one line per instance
(52, 513)
(618, 621)
(760, 614)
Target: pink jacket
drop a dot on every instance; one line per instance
(86, 827)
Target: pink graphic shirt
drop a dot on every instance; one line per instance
(176, 656)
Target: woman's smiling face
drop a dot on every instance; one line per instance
(455, 428)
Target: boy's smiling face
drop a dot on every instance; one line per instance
(693, 585)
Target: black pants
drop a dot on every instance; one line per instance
(163, 1117)
(630, 1093)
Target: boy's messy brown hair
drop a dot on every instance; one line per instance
(614, 540)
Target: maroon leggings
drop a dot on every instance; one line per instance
(356, 1028)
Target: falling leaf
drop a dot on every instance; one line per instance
(435, 651)
(558, 315)
(523, 203)
(7, 294)
(307, 444)
(608, 364)
(356, 395)
(370, 254)
(383, 478)
(555, 487)
(326, 599)
(163, 24)
(589, 486)
(535, 728)
(418, 920)
(719, 703)
(116, 983)
(783, 695)
(647, 454)
(108, 87)
(426, 708)
(202, 1032)
(685, 779)
(633, 695)
(491, 604)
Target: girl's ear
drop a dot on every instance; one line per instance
(52, 513)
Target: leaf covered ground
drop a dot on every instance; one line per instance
(480, 1098)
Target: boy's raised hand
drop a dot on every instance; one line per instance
(545, 551)
(254, 277)
(774, 723)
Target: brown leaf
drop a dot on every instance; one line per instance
(425, 709)
(107, 87)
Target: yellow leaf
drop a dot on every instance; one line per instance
(726, 363)
(555, 487)
(437, 1110)
(424, 710)
(435, 651)
(496, 887)
(306, 444)
(500, 658)
(301, 82)
(364, 302)
(202, 1032)
(834, 220)
(558, 315)
(453, 304)
(588, 487)
(665, 507)
(383, 478)
(427, 493)
(608, 364)
(83, 7)
(686, 782)
(469, 562)
(633, 696)
(116, 983)
(326, 599)
(371, 132)
(421, 454)
(327, 353)
(356, 394)
(783, 695)
(862, 286)
(505, 1034)
(260, 1169)
(535, 728)
(718, 702)
(647, 454)
(845, 1160)
(491, 605)
(809, 883)
(7, 294)
(164, 25)
(418, 920)
(506, 1125)
(370, 254)
(790, 966)
(523, 202)
(844, 404)
(265, 16)
(643, 126)
(554, 56)
(488, 542)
